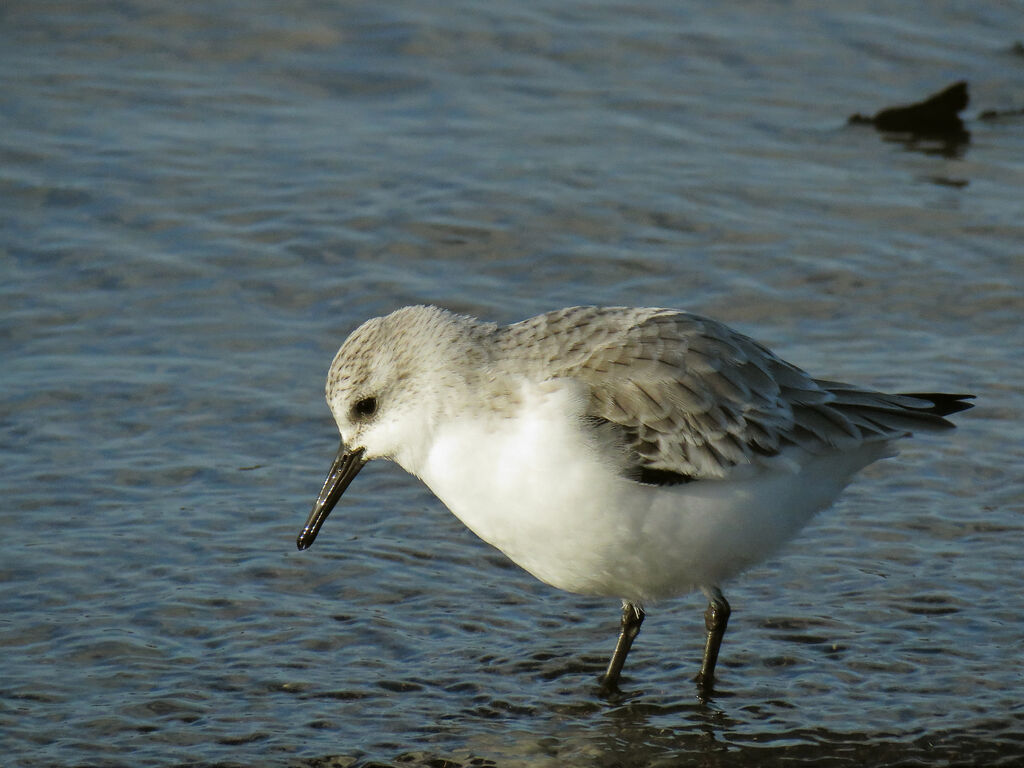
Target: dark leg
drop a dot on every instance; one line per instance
(632, 618)
(716, 617)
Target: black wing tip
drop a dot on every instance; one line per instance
(651, 476)
(943, 404)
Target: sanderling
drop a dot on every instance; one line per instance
(628, 453)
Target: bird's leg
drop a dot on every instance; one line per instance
(632, 618)
(716, 617)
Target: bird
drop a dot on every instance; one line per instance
(629, 453)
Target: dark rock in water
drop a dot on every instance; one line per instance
(935, 116)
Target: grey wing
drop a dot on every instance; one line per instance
(690, 398)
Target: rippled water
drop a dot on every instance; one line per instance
(198, 201)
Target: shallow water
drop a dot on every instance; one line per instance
(197, 204)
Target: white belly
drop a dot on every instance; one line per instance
(539, 488)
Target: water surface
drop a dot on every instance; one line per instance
(198, 202)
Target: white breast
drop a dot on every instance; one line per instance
(540, 487)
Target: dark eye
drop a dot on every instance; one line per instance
(365, 408)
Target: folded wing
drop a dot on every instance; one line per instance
(690, 398)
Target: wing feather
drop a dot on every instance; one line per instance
(690, 398)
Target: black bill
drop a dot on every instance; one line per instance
(345, 467)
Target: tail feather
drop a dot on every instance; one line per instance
(882, 414)
(942, 404)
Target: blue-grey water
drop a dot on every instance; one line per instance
(198, 200)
